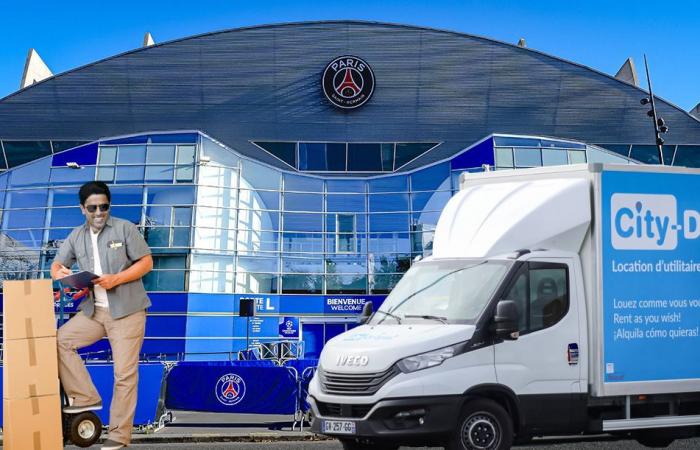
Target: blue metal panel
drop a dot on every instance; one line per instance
(475, 157)
(85, 155)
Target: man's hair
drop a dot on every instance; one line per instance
(93, 187)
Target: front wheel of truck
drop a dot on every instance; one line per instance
(483, 425)
(355, 444)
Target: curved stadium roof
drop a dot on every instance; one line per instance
(263, 84)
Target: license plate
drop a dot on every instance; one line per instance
(338, 427)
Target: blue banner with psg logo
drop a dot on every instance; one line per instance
(253, 387)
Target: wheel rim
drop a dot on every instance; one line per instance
(481, 431)
(86, 429)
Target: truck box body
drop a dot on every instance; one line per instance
(565, 297)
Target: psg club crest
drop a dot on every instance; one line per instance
(348, 82)
(230, 389)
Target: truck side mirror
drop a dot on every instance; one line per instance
(367, 310)
(506, 320)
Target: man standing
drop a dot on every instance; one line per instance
(113, 249)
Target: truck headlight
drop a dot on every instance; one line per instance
(425, 360)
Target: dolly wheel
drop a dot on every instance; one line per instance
(84, 429)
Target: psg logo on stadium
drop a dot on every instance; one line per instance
(348, 82)
(230, 389)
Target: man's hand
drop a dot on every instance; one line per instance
(62, 271)
(108, 281)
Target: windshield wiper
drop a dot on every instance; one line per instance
(393, 316)
(426, 316)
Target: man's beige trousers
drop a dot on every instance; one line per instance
(126, 337)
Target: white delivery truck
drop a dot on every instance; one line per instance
(557, 301)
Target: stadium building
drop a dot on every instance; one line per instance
(303, 165)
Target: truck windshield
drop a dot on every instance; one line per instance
(449, 291)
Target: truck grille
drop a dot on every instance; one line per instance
(338, 410)
(354, 384)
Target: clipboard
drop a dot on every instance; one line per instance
(79, 280)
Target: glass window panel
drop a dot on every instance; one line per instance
(576, 157)
(554, 157)
(214, 238)
(257, 176)
(302, 222)
(302, 242)
(387, 157)
(184, 174)
(185, 154)
(425, 220)
(687, 156)
(107, 155)
(389, 263)
(599, 156)
(170, 195)
(505, 141)
(181, 237)
(435, 178)
(383, 283)
(345, 203)
(286, 151)
(158, 215)
(33, 174)
(364, 157)
(336, 156)
(303, 202)
(430, 201)
(212, 274)
(130, 213)
(168, 274)
(159, 173)
(302, 284)
(388, 222)
(527, 157)
(129, 174)
(65, 197)
(216, 196)
(182, 216)
(302, 265)
(269, 200)
(388, 202)
(25, 218)
(302, 184)
(160, 154)
(219, 154)
(255, 219)
(504, 157)
(66, 217)
(30, 198)
(623, 150)
(256, 283)
(23, 239)
(422, 242)
(59, 234)
(647, 154)
(59, 146)
(312, 156)
(346, 264)
(346, 186)
(561, 144)
(346, 284)
(66, 175)
(408, 151)
(131, 154)
(253, 241)
(105, 174)
(389, 243)
(360, 223)
(21, 152)
(397, 183)
(158, 236)
(126, 195)
(216, 217)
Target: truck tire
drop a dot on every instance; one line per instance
(483, 425)
(654, 438)
(352, 444)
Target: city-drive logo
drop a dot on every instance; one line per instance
(650, 222)
(230, 389)
(348, 82)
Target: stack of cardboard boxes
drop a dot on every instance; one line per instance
(31, 398)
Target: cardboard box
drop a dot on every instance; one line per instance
(30, 368)
(28, 309)
(32, 423)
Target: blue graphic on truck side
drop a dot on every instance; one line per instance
(651, 276)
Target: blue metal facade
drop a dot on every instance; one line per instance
(227, 220)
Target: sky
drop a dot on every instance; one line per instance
(598, 34)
